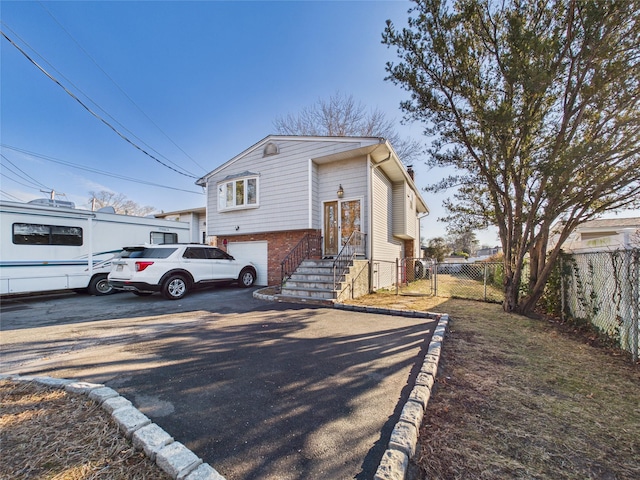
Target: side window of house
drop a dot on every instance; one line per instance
(37, 234)
(238, 193)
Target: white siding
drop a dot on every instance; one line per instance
(385, 245)
(352, 175)
(283, 190)
(404, 211)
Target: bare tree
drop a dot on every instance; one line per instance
(342, 116)
(119, 202)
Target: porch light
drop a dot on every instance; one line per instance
(340, 191)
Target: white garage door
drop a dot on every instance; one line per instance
(254, 252)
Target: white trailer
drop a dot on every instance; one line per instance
(44, 248)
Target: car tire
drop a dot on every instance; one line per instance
(247, 277)
(99, 285)
(143, 294)
(175, 287)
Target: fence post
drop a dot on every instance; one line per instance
(435, 278)
(397, 277)
(485, 281)
(635, 302)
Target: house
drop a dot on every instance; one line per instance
(602, 235)
(195, 217)
(287, 190)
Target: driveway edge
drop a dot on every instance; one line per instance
(172, 457)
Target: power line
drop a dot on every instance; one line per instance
(4, 174)
(94, 102)
(72, 95)
(29, 177)
(118, 86)
(10, 196)
(94, 170)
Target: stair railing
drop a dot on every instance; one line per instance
(310, 245)
(355, 245)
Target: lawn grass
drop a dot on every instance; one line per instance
(523, 398)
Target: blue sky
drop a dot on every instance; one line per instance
(193, 83)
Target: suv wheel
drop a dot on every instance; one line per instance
(247, 277)
(174, 288)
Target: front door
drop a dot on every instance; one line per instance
(341, 219)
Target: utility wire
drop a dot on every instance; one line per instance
(94, 102)
(4, 174)
(36, 182)
(118, 86)
(72, 95)
(93, 170)
(10, 196)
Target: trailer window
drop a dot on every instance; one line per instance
(162, 237)
(37, 234)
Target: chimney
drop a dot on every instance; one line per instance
(410, 171)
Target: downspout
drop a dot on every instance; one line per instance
(310, 189)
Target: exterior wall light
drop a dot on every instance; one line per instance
(340, 191)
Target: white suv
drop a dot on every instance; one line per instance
(175, 269)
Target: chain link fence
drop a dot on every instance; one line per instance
(473, 281)
(603, 288)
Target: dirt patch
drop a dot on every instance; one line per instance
(50, 434)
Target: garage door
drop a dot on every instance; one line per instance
(254, 252)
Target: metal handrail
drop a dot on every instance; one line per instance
(309, 245)
(355, 245)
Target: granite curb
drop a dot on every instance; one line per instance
(404, 437)
(172, 457)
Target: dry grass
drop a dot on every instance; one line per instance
(50, 434)
(523, 398)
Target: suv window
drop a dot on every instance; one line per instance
(141, 252)
(217, 254)
(195, 253)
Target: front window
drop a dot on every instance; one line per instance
(238, 193)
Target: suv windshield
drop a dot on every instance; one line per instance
(142, 252)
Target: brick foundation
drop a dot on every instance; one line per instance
(279, 245)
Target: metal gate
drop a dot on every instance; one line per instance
(474, 281)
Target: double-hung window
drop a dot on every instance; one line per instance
(237, 193)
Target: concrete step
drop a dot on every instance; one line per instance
(315, 293)
(311, 277)
(311, 269)
(304, 283)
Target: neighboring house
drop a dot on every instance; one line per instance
(485, 252)
(602, 235)
(265, 200)
(195, 217)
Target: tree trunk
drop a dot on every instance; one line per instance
(510, 303)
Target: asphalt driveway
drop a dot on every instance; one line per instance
(258, 390)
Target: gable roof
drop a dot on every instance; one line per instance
(380, 150)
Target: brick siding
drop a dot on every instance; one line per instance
(279, 245)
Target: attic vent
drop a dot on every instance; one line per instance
(270, 149)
